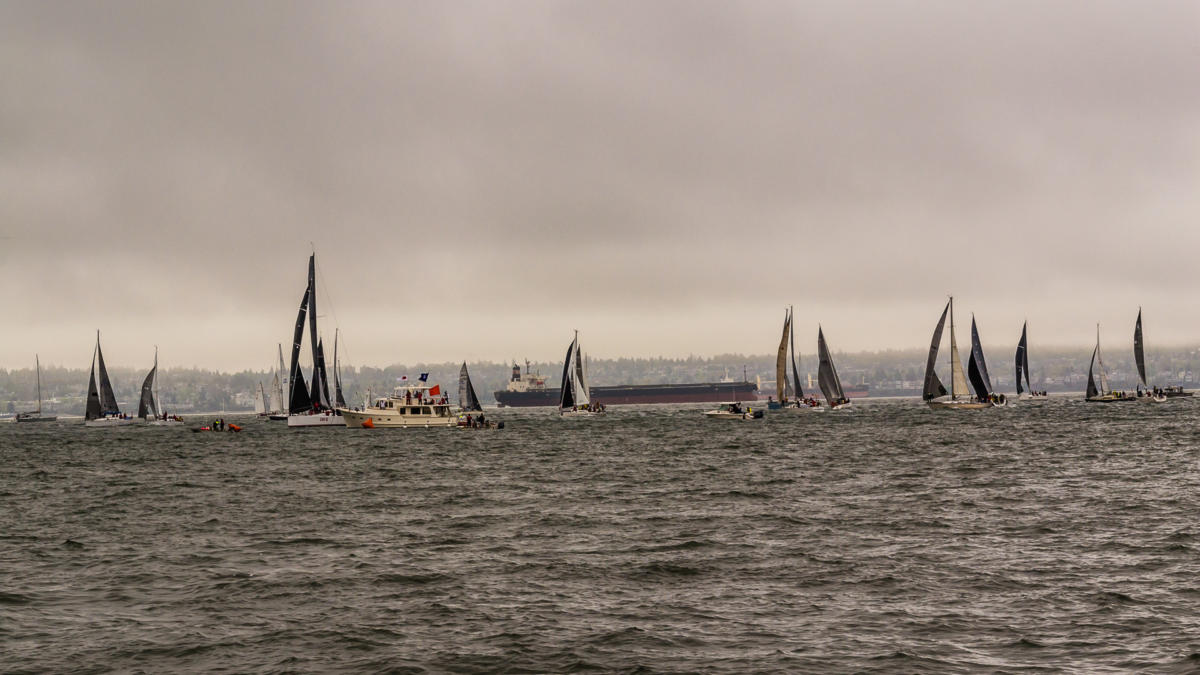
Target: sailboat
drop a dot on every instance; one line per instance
(101, 409)
(934, 391)
(310, 407)
(36, 415)
(574, 398)
(827, 377)
(1144, 391)
(977, 372)
(791, 394)
(149, 408)
(1102, 393)
(467, 400)
(1022, 366)
(260, 401)
(279, 390)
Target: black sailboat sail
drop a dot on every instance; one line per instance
(795, 371)
(566, 398)
(467, 400)
(146, 406)
(827, 377)
(92, 410)
(339, 400)
(1022, 361)
(299, 400)
(108, 400)
(319, 374)
(1139, 354)
(977, 366)
(933, 386)
(1092, 391)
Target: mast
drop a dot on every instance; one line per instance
(38, 367)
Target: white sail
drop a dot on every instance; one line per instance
(1100, 361)
(580, 380)
(958, 380)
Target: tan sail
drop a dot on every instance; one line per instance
(781, 362)
(958, 380)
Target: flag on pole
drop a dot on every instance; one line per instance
(435, 390)
(403, 378)
(424, 377)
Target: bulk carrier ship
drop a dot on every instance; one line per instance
(526, 389)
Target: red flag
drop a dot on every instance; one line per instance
(435, 390)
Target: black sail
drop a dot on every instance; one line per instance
(340, 401)
(827, 377)
(977, 366)
(933, 386)
(567, 396)
(92, 411)
(467, 400)
(1138, 352)
(146, 406)
(795, 370)
(108, 400)
(1092, 391)
(299, 399)
(320, 376)
(1022, 361)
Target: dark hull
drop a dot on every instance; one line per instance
(708, 392)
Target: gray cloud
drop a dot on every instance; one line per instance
(480, 178)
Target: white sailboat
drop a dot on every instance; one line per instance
(1102, 393)
(934, 392)
(149, 408)
(279, 389)
(574, 398)
(36, 415)
(101, 409)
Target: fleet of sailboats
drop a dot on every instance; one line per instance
(310, 407)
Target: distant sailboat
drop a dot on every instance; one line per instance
(574, 398)
(1102, 393)
(150, 406)
(827, 377)
(260, 401)
(279, 391)
(934, 391)
(977, 371)
(310, 407)
(1144, 391)
(467, 400)
(1022, 366)
(36, 415)
(101, 409)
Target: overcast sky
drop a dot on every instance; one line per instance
(478, 179)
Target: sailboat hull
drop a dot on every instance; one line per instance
(24, 418)
(103, 422)
(960, 405)
(322, 419)
(1111, 398)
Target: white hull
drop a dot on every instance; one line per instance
(111, 422)
(723, 415)
(842, 406)
(392, 418)
(25, 418)
(324, 419)
(580, 413)
(166, 423)
(960, 405)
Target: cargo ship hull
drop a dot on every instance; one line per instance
(707, 392)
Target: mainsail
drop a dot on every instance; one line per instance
(280, 386)
(958, 381)
(108, 400)
(781, 380)
(566, 397)
(260, 400)
(147, 407)
(1022, 361)
(977, 366)
(1138, 352)
(1100, 360)
(92, 410)
(792, 338)
(339, 400)
(827, 377)
(299, 400)
(933, 386)
(467, 400)
(1091, 385)
(582, 396)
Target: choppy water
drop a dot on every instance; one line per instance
(1058, 535)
